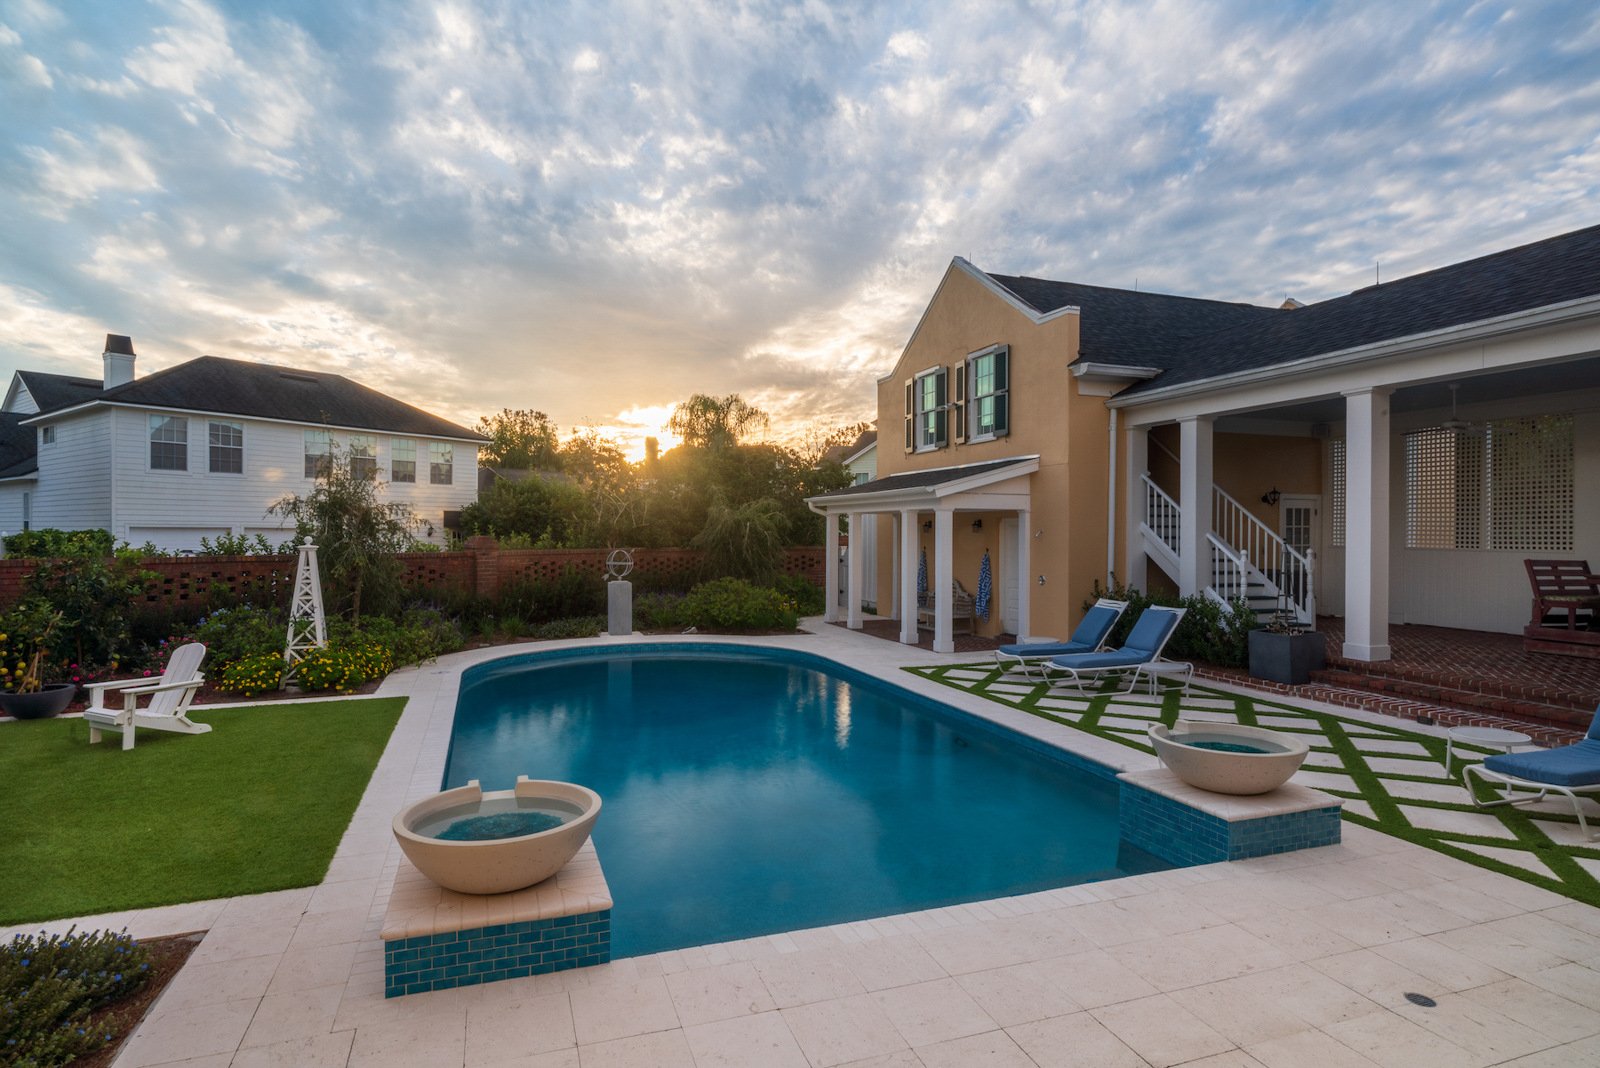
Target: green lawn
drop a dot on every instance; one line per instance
(257, 804)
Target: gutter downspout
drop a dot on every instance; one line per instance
(1111, 505)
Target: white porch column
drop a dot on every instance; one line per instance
(1024, 572)
(1366, 554)
(1135, 564)
(895, 550)
(830, 566)
(908, 577)
(857, 551)
(943, 578)
(1194, 497)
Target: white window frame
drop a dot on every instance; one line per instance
(157, 422)
(363, 449)
(47, 435)
(313, 467)
(402, 451)
(437, 449)
(212, 446)
(927, 436)
(972, 403)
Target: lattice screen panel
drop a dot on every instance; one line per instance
(1530, 483)
(1444, 489)
(1336, 461)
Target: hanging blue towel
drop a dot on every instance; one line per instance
(922, 575)
(985, 588)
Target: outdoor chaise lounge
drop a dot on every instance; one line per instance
(1568, 770)
(1138, 655)
(169, 700)
(1090, 637)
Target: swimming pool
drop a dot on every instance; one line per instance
(753, 791)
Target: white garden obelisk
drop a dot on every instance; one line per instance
(308, 626)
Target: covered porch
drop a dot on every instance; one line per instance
(920, 511)
(1399, 487)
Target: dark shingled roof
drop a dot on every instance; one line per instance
(1126, 327)
(58, 391)
(237, 387)
(1192, 340)
(18, 446)
(928, 479)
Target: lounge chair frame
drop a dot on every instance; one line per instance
(1542, 790)
(1026, 664)
(1060, 675)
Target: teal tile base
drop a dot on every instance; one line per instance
(1182, 834)
(489, 954)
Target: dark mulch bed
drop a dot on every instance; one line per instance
(167, 955)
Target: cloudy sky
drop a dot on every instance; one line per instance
(597, 210)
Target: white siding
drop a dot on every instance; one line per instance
(75, 474)
(22, 401)
(11, 505)
(187, 504)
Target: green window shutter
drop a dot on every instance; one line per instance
(958, 411)
(941, 404)
(911, 441)
(1002, 386)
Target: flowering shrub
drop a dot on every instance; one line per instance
(252, 675)
(579, 627)
(49, 985)
(343, 666)
(734, 604)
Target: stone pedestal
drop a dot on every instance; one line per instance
(619, 607)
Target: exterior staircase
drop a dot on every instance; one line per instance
(1248, 560)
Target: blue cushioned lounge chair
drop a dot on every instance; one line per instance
(1568, 770)
(1150, 635)
(1090, 637)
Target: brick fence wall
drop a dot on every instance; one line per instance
(482, 568)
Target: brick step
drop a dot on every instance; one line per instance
(1518, 689)
(1466, 700)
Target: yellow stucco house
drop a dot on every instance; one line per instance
(1391, 455)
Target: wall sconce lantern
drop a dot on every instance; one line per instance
(1270, 497)
(927, 524)
(977, 525)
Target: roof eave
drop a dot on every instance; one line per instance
(1483, 329)
(56, 413)
(1024, 465)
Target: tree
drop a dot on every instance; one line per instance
(520, 438)
(707, 422)
(356, 534)
(814, 443)
(744, 541)
(550, 513)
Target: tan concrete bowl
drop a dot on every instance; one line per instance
(1277, 756)
(496, 865)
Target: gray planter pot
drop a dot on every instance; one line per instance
(1286, 658)
(50, 701)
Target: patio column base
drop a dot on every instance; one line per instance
(1352, 651)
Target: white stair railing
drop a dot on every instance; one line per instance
(1230, 572)
(1281, 570)
(1162, 516)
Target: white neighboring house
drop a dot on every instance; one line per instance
(860, 458)
(204, 449)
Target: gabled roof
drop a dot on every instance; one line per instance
(18, 446)
(1191, 339)
(58, 391)
(1125, 326)
(1544, 273)
(238, 387)
(938, 481)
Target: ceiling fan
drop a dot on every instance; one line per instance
(1455, 422)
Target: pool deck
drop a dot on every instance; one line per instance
(1298, 959)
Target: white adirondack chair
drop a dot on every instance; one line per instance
(169, 700)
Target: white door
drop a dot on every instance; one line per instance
(1008, 575)
(1300, 523)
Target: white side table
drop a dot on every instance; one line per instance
(1493, 737)
(1179, 669)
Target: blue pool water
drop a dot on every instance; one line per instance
(752, 792)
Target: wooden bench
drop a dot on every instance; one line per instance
(963, 610)
(1566, 600)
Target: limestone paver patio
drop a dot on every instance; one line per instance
(1301, 959)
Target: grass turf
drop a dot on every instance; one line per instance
(258, 804)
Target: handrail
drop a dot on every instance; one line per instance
(1230, 571)
(1162, 515)
(1282, 569)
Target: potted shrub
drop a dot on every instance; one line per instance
(1286, 651)
(32, 698)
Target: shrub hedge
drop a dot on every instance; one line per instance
(50, 985)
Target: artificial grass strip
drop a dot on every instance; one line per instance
(257, 804)
(1570, 879)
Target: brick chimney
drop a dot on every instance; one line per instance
(118, 361)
